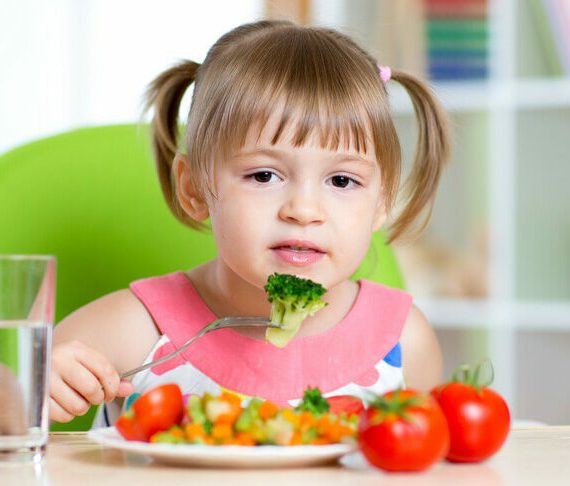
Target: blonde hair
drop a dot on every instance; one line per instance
(328, 85)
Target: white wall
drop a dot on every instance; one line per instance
(71, 63)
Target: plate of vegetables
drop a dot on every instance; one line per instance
(220, 431)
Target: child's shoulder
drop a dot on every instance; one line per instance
(119, 306)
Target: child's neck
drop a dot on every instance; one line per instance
(225, 296)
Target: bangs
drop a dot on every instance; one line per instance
(312, 101)
(317, 85)
(302, 116)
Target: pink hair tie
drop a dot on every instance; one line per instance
(385, 73)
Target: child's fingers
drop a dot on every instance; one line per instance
(57, 413)
(126, 388)
(101, 368)
(84, 382)
(71, 356)
(67, 398)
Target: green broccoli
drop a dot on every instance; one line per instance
(314, 402)
(292, 300)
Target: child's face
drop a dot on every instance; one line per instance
(303, 210)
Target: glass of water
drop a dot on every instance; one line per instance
(27, 303)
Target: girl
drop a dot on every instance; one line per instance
(291, 153)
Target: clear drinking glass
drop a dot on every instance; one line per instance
(27, 304)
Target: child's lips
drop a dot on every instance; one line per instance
(298, 254)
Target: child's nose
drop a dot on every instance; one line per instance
(303, 206)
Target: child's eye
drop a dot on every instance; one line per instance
(263, 176)
(343, 181)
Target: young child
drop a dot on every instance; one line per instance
(292, 154)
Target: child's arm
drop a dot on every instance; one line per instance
(421, 354)
(91, 347)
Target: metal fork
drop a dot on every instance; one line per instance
(224, 323)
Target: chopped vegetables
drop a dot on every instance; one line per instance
(292, 299)
(222, 420)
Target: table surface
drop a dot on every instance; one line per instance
(532, 456)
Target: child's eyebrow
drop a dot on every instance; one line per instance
(282, 154)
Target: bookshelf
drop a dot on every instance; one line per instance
(502, 211)
(527, 115)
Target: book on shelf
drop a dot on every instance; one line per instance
(440, 39)
(457, 8)
(552, 20)
(457, 35)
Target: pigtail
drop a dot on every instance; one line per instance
(164, 94)
(432, 154)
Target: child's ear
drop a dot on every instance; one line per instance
(380, 215)
(190, 200)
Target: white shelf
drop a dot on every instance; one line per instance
(455, 313)
(473, 313)
(543, 316)
(543, 93)
(460, 96)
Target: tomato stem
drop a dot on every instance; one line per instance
(464, 374)
(395, 405)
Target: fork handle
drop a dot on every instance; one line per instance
(225, 322)
(168, 356)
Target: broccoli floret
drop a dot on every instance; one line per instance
(314, 402)
(292, 299)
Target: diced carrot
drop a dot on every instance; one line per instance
(323, 424)
(194, 431)
(231, 398)
(222, 431)
(306, 421)
(177, 432)
(295, 439)
(345, 430)
(245, 439)
(333, 433)
(267, 410)
(226, 418)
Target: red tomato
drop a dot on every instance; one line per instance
(130, 429)
(478, 419)
(154, 411)
(404, 430)
(345, 403)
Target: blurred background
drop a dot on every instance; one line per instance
(492, 271)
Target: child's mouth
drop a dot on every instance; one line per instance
(298, 255)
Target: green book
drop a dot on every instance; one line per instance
(464, 29)
(459, 44)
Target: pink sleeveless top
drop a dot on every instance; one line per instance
(361, 351)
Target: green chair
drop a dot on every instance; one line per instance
(91, 197)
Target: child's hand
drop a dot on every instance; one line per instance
(81, 377)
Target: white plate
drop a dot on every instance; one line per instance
(224, 456)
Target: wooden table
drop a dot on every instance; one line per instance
(533, 456)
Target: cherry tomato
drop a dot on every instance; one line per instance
(404, 430)
(345, 403)
(129, 428)
(154, 411)
(478, 418)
